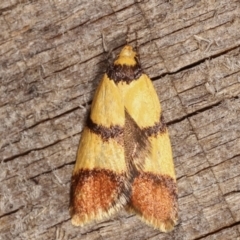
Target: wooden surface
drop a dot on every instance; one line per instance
(52, 56)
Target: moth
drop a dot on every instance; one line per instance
(124, 158)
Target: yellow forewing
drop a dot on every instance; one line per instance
(93, 152)
(107, 108)
(141, 101)
(160, 160)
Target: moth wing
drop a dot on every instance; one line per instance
(99, 178)
(154, 192)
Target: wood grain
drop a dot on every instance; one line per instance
(52, 56)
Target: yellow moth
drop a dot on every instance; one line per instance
(124, 158)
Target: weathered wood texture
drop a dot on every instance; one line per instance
(52, 57)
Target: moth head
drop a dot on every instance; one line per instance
(127, 57)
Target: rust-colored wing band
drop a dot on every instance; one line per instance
(154, 198)
(94, 194)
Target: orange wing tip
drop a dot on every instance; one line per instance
(166, 226)
(154, 198)
(81, 220)
(96, 194)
